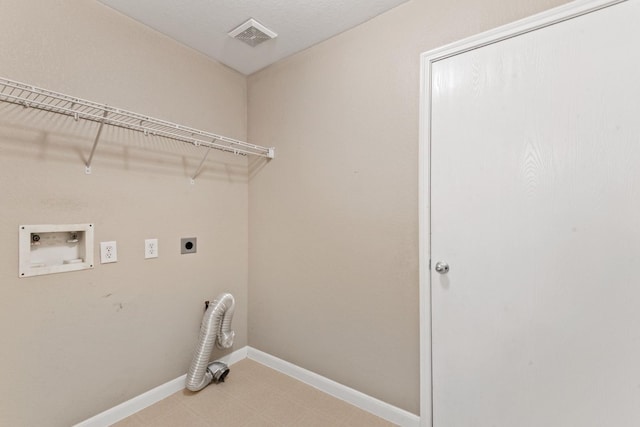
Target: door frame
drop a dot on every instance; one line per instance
(550, 17)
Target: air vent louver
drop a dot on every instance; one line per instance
(252, 33)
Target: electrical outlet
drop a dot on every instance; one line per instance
(108, 252)
(151, 248)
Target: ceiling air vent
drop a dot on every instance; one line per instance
(252, 33)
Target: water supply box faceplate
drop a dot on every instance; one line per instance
(54, 248)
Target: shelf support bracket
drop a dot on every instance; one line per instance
(197, 172)
(87, 168)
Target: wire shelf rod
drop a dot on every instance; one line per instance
(114, 121)
(30, 96)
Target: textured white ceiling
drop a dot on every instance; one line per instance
(204, 24)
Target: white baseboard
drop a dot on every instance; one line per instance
(354, 397)
(130, 407)
(367, 403)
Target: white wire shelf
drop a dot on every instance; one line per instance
(43, 99)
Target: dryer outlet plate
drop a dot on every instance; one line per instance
(188, 245)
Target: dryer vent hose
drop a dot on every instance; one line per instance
(215, 329)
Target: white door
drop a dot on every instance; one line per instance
(535, 206)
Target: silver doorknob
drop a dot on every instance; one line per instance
(442, 267)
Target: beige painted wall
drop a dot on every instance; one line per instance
(333, 220)
(75, 344)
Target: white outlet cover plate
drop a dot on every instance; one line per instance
(151, 248)
(108, 252)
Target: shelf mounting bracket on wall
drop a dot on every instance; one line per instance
(54, 102)
(197, 172)
(87, 168)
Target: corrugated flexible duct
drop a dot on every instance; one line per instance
(215, 328)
